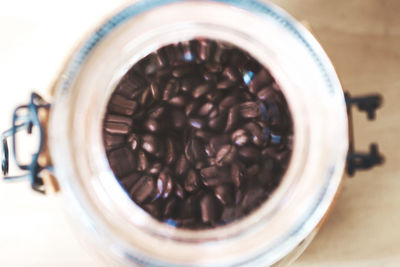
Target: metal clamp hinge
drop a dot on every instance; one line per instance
(30, 118)
(362, 160)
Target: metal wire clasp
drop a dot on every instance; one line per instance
(26, 118)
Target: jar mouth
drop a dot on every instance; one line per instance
(294, 208)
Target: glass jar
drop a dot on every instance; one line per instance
(121, 232)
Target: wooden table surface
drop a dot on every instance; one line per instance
(362, 38)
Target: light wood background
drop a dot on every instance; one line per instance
(362, 38)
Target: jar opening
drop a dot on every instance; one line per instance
(198, 133)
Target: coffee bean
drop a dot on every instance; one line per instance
(119, 119)
(113, 141)
(239, 137)
(150, 144)
(209, 76)
(161, 58)
(201, 89)
(237, 174)
(215, 97)
(249, 110)
(205, 50)
(191, 108)
(249, 153)
(225, 155)
(178, 119)
(217, 123)
(221, 55)
(155, 168)
(197, 123)
(183, 70)
(225, 194)
(231, 73)
(164, 185)
(203, 135)
(218, 141)
(143, 189)
(128, 181)
(188, 83)
(191, 183)
(257, 135)
(253, 170)
(152, 125)
(171, 151)
(179, 192)
(143, 163)
(131, 85)
(253, 197)
(232, 120)
(121, 105)
(225, 84)
(133, 140)
(122, 161)
(116, 128)
(157, 112)
(171, 89)
(231, 213)
(170, 209)
(227, 102)
(209, 172)
(260, 79)
(266, 175)
(213, 67)
(206, 109)
(182, 165)
(208, 209)
(177, 101)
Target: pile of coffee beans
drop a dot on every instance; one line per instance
(198, 133)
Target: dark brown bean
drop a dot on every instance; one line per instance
(239, 137)
(164, 185)
(183, 70)
(170, 209)
(178, 101)
(155, 168)
(197, 123)
(227, 102)
(250, 110)
(225, 155)
(217, 123)
(232, 73)
(131, 85)
(122, 161)
(191, 183)
(152, 125)
(178, 119)
(155, 91)
(237, 174)
(143, 189)
(133, 140)
(208, 209)
(249, 153)
(201, 89)
(143, 163)
(253, 170)
(171, 89)
(128, 181)
(150, 144)
(226, 84)
(257, 135)
(232, 120)
(153, 209)
(218, 141)
(253, 197)
(157, 112)
(116, 128)
(206, 109)
(260, 79)
(225, 194)
(213, 68)
(182, 165)
(119, 119)
(191, 108)
(179, 192)
(171, 152)
(113, 141)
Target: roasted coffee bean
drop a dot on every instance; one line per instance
(150, 144)
(179, 192)
(198, 133)
(256, 133)
(171, 151)
(113, 141)
(116, 128)
(201, 89)
(178, 119)
(133, 140)
(232, 119)
(232, 73)
(206, 109)
(170, 209)
(171, 89)
(177, 101)
(128, 181)
(226, 154)
(152, 125)
(260, 79)
(225, 194)
(197, 123)
(240, 137)
(122, 161)
(192, 182)
(249, 153)
(143, 189)
(143, 163)
(250, 110)
(208, 209)
(165, 185)
(237, 174)
(182, 165)
(155, 168)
